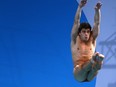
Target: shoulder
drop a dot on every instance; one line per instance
(92, 39)
(76, 43)
(75, 40)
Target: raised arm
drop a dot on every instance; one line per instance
(97, 18)
(77, 21)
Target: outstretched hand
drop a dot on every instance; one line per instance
(83, 2)
(98, 5)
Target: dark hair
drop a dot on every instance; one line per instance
(84, 25)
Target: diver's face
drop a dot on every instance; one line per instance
(85, 34)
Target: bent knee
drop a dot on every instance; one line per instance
(99, 54)
(78, 75)
(81, 78)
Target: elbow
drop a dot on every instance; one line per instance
(97, 23)
(76, 21)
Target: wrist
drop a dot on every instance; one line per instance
(80, 6)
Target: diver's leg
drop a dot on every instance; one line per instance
(81, 73)
(97, 66)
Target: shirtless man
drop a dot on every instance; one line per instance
(87, 62)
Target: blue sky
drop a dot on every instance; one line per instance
(35, 43)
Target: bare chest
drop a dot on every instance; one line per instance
(83, 50)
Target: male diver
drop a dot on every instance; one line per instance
(87, 62)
